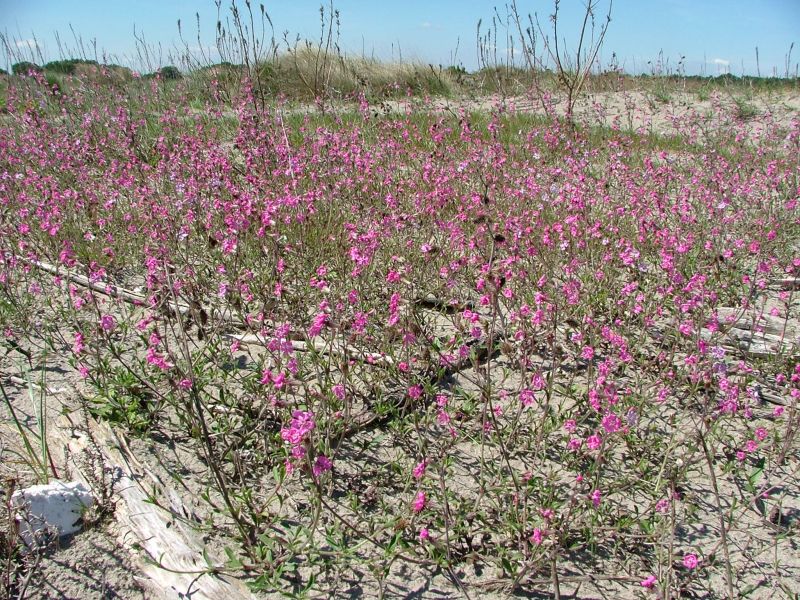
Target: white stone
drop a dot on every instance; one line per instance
(56, 507)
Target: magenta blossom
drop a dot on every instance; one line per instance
(108, 323)
(649, 582)
(690, 561)
(419, 502)
(321, 465)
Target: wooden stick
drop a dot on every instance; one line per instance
(339, 349)
(161, 536)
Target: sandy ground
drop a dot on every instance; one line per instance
(104, 562)
(89, 565)
(97, 563)
(639, 111)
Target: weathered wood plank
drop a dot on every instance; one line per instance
(154, 535)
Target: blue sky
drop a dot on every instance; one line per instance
(714, 35)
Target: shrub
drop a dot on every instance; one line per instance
(54, 81)
(170, 72)
(68, 66)
(25, 67)
(745, 110)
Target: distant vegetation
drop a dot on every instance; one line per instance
(67, 67)
(170, 72)
(24, 67)
(305, 75)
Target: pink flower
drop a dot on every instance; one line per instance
(594, 442)
(108, 323)
(317, 325)
(611, 423)
(690, 561)
(596, 498)
(277, 380)
(157, 360)
(415, 392)
(537, 382)
(419, 502)
(537, 537)
(301, 425)
(394, 310)
(78, 346)
(321, 465)
(419, 470)
(527, 397)
(649, 582)
(424, 534)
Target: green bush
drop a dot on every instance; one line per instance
(745, 110)
(456, 70)
(25, 67)
(67, 67)
(53, 81)
(170, 72)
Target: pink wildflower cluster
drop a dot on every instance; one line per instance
(298, 436)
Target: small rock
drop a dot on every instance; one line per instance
(56, 507)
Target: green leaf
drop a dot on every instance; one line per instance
(393, 542)
(312, 579)
(753, 478)
(507, 565)
(646, 525)
(233, 560)
(207, 558)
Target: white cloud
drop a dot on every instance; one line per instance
(29, 43)
(426, 25)
(210, 49)
(723, 66)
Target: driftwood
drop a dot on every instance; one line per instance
(169, 554)
(24, 383)
(336, 348)
(786, 283)
(432, 302)
(98, 286)
(114, 291)
(340, 349)
(759, 334)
